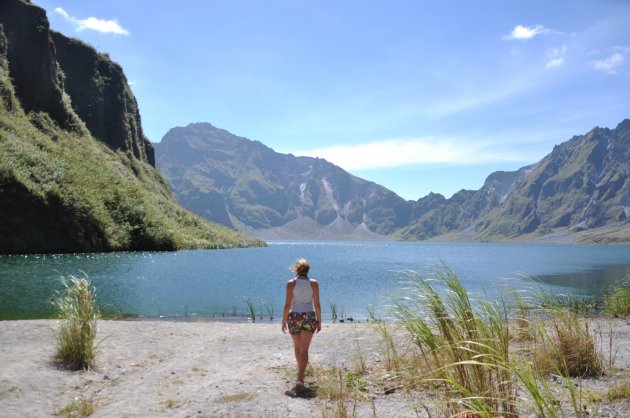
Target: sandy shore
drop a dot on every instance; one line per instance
(200, 369)
(182, 369)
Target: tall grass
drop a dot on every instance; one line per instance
(617, 301)
(464, 352)
(79, 319)
(550, 301)
(465, 349)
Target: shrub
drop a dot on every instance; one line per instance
(568, 347)
(79, 317)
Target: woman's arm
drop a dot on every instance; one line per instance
(287, 304)
(318, 307)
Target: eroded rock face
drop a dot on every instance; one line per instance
(70, 81)
(101, 97)
(244, 184)
(32, 63)
(583, 183)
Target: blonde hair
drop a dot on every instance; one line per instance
(301, 267)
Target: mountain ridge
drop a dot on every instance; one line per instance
(511, 205)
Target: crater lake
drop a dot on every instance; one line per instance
(355, 278)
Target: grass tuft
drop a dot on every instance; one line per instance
(78, 408)
(79, 318)
(567, 347)
(619, 391)
(617, 302)
(464, 349)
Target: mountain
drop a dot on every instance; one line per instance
(244, 184)
(76, 171)
(578, 193)
(583, 186)
(434, 215)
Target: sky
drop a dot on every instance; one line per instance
(414, 95)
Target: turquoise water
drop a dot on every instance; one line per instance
(352, 275)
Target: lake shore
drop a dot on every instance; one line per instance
(207, 369)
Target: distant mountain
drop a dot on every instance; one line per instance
(76, 171)
(583, 185)
(579, 192)
(434, 215)
(246, 185)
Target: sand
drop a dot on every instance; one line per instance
(203, 369)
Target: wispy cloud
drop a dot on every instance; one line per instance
(401, 152)
(93, 23)
(523, 33)
(556, 57)
(609, 64)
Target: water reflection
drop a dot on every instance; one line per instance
(593, 282)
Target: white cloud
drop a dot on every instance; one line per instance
(556, 56)
(556, 62)
(609, 64)
(400, 152)
(523, 33)
(93, 23)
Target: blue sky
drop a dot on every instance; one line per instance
(417, 96)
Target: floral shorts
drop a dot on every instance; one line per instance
(301, 321)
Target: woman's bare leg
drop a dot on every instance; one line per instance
(305, 343)
(297, 340)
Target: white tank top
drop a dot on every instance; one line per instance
(302, 296)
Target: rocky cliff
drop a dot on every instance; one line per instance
(62, 188)
(101, 97)
(583, 184)
(32, 62)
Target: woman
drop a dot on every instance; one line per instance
(302, 316)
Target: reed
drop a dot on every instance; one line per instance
(269, 307)
(465, 349)
(250, 308)
(79, 319)
(333, 311)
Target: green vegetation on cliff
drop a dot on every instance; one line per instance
(63, 189)
(62, 192)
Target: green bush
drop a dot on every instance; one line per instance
(79, 318)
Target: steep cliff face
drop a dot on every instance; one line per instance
(7, 93)
(244, 184)
(32, 62)
(101, 97)
(61, 189)
(434, 215)
(583, 183)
